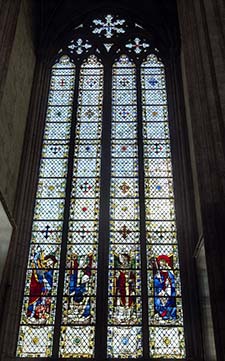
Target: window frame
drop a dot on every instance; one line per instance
(181, 175)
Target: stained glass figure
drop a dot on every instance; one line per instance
(79, 301)
(165, 308)
(124, 257)
(39, 304)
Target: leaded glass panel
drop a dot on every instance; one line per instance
(39, 303)
(79, 299)
(164, 290)
(124, 303)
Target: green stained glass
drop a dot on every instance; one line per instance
(39, 303)
(164, 289)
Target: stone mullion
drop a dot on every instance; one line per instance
(184, 204)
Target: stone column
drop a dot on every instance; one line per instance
(203, 62)
(9, 11)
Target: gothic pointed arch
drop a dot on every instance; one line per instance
(103, 275)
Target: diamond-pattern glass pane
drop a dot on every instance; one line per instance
(124, 341)
(39, 303)
(35, 341)
(124, 287)
(79, 301)
(164, 289)
(77, 341)
(59, 114)
(167, 341)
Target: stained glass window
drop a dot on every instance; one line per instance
(124, 315)
(79, 310)
(116, 97)
(40, 293)
(164, 289)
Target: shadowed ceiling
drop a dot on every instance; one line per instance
(53, 18)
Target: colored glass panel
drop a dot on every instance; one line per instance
(137, 46)
(109, 26)
(163, 276)
(124, 288)
(39, 303)
(79, 46)
(79, 298)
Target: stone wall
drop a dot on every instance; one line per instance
(203, 62)
(14, 104)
